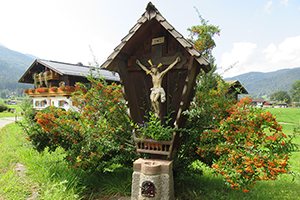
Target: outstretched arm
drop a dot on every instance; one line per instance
(142, 66)
(171, 66)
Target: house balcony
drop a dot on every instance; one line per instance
(50, 92)
(51, 76)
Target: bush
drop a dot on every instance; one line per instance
(98, 137)
(240, 142)
(3, 107)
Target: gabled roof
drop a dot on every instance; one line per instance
(237, 84)
(70, 70)
(258, 100)
(152, 13)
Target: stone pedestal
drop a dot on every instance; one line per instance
(152, 172)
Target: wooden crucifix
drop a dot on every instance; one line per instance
(157, 90)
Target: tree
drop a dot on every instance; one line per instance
(228, 136)
(3, 95)
(281, 95)
(295, 91)
(202, 36)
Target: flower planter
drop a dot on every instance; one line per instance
(154, 146)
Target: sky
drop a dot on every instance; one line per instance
(256, 35)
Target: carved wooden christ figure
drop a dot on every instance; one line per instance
(157, 90)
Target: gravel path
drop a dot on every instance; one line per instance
(7, 120)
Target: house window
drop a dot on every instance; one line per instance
(36, 103)
(61, 103)
(44, 102)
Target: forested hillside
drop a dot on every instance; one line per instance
(12, 66)
(262, 85)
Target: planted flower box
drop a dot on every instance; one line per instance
(154, 146)
(153, 137)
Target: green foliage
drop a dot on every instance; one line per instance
(154, 129)
(281, 95)
(202, 36)
(240, 142)
(230, 137)
(3, 94)
(295, 91)
(97, 138)
(3, 107)
(47, 175)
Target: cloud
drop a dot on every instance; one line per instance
(240, 53)
(285, 2)
(286, 53)
(267, 7)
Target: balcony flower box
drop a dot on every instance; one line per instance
(42, 90)
(31, 90)
(53, 89)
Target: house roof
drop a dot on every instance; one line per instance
(274, 102)
(69, 70)
(237, 84)
(152, 13)
(258, 100)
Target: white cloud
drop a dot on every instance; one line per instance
(286, 53)
(241, 52)
(267, 7)
(285, 2)
(242, 55)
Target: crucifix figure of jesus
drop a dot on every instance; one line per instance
(157, 90)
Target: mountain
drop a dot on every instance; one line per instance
(13, 64)
(262, 85)
(16, 59)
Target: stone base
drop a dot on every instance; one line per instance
(158, 172)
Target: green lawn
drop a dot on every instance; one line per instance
(286, 115)
(9, 114)
(48, 175)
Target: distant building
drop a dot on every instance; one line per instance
(54, 81)
(258, 103)
(275, 104)
(236, 88)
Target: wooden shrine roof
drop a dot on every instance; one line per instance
(66, 69)
(237, 84)
(152, 13)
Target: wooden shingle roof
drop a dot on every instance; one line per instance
(237, 84)
(152, 13)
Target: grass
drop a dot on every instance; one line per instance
(47, 175)
(286, 115)
(9, 114)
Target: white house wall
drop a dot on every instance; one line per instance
(59, 102)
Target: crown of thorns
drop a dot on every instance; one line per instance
(158, 66)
